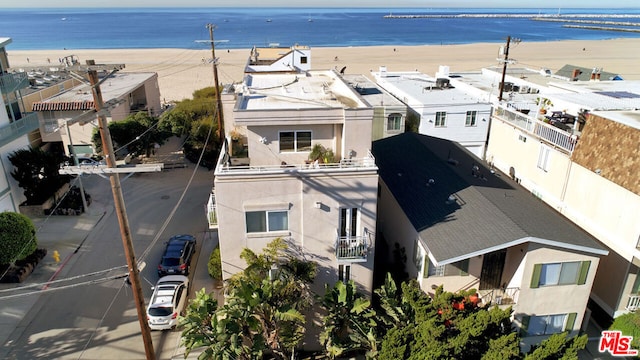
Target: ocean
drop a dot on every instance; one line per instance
(241, 28)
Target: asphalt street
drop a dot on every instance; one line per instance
(97, 318)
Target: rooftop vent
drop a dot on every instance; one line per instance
(442, 82)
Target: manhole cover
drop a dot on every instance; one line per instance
(164, 197)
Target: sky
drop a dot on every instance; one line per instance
(539, 4)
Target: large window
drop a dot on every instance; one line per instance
(441, 117)
(547, 324)
(459, 268)
(267, 221)
(394, 122)
(471, 118)
(566, 273)
(294, 141)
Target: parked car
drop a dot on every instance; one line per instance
(177, 255)
(167, 302)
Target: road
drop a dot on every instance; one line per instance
(99, 321)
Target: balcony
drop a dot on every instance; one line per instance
(633, 303)
(212, 214)
(29, 122)
(506, 296)
(552, 135)
(353, 248)
(13, 82)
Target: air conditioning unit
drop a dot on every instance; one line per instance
(442, 82)
(524, 89)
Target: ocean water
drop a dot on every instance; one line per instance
(239, 28)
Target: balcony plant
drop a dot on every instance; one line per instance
(322, 155)
(543, 104)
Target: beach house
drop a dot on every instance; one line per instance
(17, 127)
(278, 59)
(441, 109)
(297, 165)
(574, 145)
(465, 225)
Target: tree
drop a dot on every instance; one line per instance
(263, 312)
(138, 133)
(629, 325)
(37, 173)
(350, 323)
(451, 326)
(17, 237)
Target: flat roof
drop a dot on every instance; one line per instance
(4, 41)
(425, 89)
(313, 89)
(76, 98)
(370, 91)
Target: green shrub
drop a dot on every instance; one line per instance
(215, 264)
(629, 325)
(17, 237)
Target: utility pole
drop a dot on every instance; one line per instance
(505, 61)
(120, 210)
(217, 86)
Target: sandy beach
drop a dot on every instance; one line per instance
(182, 71)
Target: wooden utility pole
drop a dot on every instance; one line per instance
(504, 67)
(217, 86)
(121, 212)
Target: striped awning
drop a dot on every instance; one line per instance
(63, 106)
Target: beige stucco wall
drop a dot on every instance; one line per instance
(311, 229)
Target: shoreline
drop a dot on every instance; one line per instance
(182, 71)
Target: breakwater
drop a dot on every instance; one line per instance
(531, 16)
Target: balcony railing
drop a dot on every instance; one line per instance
(550, 134)
(506, 296)
(344, 164)
(13, 82)
(28, 123)
(353, 248)
(633, 303)
(212, 214)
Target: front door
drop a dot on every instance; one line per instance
(491, 274)
(349, 219)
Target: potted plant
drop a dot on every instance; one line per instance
(543, 104)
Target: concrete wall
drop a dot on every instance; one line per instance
(312, 230)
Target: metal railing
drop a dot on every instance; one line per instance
(506, 296)
(550, 134)
(367, 162)
(353, 248)
(28, 122)
(212, 214)
(633, 303)
(13, 82)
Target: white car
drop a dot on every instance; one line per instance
(167, 302)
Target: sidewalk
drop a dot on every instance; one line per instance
(64, 234)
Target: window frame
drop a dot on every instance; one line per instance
(344, 272)
(441, 119)
(267, 221)
(471, 118)
(549, 328)
(297, 148)
(544, 158)
(539, 274)
(394, 122)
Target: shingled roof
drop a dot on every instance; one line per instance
(459, 214)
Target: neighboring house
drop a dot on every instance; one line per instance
(580, 73)
(17, 127)
(465, 225)
(267, 186)
(123, 93)
(444, 111)
(389, 113)
(276, 59)
(574, 145)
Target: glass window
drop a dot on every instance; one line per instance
(266, 221)
(394, 122)
(441, 117)
(471, 118)
(292, 141)
(559, 273)
(547, 324)
(543, 157)
(344, 273)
